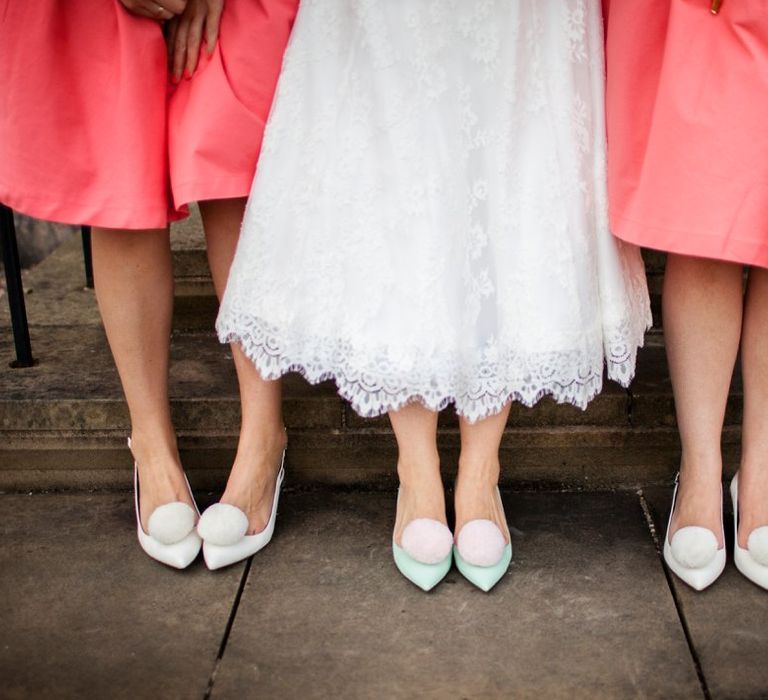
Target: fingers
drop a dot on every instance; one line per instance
(215, 8)
(161, 10)
(180, 48)
(176, 7)
(194, 39)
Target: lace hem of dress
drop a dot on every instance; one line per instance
(477, 392)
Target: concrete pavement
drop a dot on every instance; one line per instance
(586, 609)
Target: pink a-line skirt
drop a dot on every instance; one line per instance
(687, 115)
(91, 129)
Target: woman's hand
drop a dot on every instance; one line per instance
(185, 34)
(160, 10)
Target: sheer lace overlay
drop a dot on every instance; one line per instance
(429, 218)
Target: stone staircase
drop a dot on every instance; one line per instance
(63, 423)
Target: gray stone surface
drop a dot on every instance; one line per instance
(56, 294)
(65, 419)
(86, 614)
(728, 622)
(583, 612)
(63, 423)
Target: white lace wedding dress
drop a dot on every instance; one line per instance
(429, 218)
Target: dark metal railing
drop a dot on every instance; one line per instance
(15, 288)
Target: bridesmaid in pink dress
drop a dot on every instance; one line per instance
(687, 108)
(93, 131)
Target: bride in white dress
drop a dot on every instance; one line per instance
(428, 226)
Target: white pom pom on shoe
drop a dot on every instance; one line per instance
(171, 523)
(222, 524)
(757, 545)
(694, 547)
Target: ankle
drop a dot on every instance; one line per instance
(478, 472)
(153, 446)
(417, 472)
(262, 440)
(704, 467)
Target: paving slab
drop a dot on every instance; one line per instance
(728, 622)
(86, 614)
(585, 610)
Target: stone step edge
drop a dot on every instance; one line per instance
(575, 458)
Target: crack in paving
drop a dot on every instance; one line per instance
(228, 629)
(675, 598)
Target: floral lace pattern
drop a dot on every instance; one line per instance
(429, 217)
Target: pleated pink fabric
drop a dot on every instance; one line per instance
(687, 114)
(217, 119)
(83, 104)
(91, 131)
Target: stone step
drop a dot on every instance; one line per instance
(63, 424)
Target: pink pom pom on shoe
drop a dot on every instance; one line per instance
(427, 541)
(481, 543)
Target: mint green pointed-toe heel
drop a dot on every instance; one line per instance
(487, 552)
(484, 577)
(426, 555)
(425, 576)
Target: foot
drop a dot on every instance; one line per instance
(753, 511)
(699, 504)
(481, 525)
(421, 526)
(161, 480)
(251, 483)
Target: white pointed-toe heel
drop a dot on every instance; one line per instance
(482, 552)
(693, 554)
(171, 537)
(223, 527)
(425, 555)
(752, 561)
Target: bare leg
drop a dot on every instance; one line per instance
(479, 469)
(703, 301)
(251, 484)
(134, 288)
(418, 467)
(753, 474)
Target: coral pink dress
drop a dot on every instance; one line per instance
(687, 110)
(91, 133)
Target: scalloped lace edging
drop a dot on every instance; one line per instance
(576, 381)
